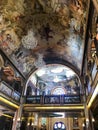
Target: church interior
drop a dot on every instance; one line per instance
(49, 65)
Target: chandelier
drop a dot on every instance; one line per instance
(39, 62)
(29, 41)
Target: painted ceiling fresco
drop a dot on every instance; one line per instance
(54, 79)
(10, 77)
(32, 30)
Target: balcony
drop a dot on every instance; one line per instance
(9, 92)
(53, 99)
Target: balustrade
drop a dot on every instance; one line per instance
(53, 99)
(8, 91)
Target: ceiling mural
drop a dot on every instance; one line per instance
(54, 79)
(32, 30)
(9, 76)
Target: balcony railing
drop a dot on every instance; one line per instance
(53, 99)
(8, 91)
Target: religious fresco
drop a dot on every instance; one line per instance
(54, 79)
(9, 76)
(33, 30)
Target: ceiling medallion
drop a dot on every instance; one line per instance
(29, 41)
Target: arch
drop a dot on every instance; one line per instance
(58, 91)
(59, 126)
(47, 69)
(56, 60)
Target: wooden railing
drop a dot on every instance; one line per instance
(53, 99)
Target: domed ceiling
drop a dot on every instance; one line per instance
(33, 31)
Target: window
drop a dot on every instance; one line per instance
(59, 126)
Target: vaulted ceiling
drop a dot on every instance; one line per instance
(55, 79)
(34, 33)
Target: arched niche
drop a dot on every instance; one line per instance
(53, 77)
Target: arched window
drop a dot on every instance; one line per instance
(59, 126)
(58, 91)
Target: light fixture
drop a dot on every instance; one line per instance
(13, 119)
(55, 126)
(56, 79)
(32, 124)
(87, 122)
(93, 120)
(83, 125)
(63, 126)
(59, 124)
(18, 119)
(28, 124)
(75, 118)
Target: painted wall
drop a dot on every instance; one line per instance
(68, 121)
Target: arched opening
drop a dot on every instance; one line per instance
(54, 79)
(59, 126)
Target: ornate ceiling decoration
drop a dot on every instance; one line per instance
(33, 30)
(54, 79)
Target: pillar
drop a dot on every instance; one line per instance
(92, 120)
(87, 122)
(17, 117)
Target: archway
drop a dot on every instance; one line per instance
(54, 79)
(59, 126)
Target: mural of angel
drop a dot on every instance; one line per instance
(9, 75)
(9, 41)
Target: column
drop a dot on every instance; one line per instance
(92, 120)
(87, 118)
(17, 117)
